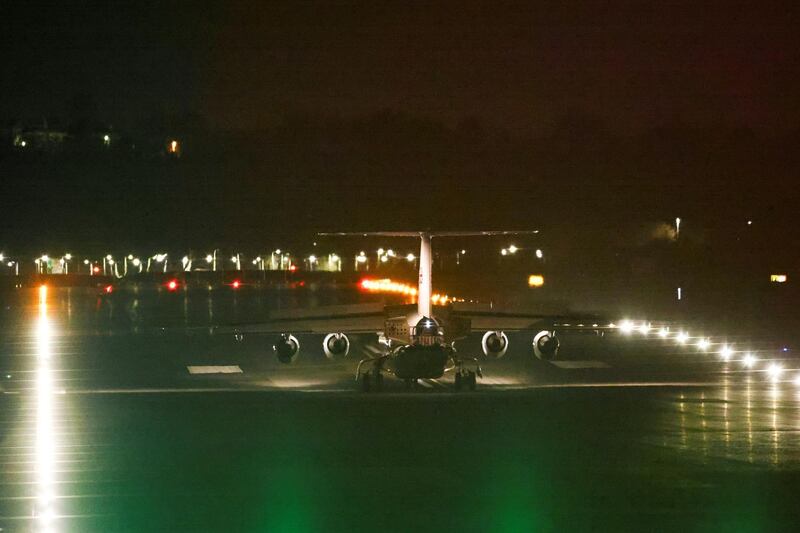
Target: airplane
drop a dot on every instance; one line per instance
(418, 341)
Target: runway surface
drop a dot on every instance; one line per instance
(110, 424)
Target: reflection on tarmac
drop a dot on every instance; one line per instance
(91, 423)
(45, 511)
(749, 421)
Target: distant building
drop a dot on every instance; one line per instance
(39, 138)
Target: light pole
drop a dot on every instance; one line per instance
(160, 258)
(335, 262)
(211, 259)
(360, 259)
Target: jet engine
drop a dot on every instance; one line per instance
(494, 344)
(545, 345)
(286, 348)
(336, 345)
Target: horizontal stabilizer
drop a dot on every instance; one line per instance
(430, 233)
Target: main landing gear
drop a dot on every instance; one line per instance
(372, 381)
(465, 378)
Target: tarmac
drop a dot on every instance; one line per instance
(152, 423)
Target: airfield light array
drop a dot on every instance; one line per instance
(388, 286)
(773, 371)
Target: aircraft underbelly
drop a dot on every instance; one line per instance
(413, 362)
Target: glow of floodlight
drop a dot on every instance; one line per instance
(725, 353)
(797, 380)
(774, 371)
(209, 258)
(626, 326)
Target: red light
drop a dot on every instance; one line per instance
(235, 284)
(172, 285)
(109, 289)
(96, 269)
(292, 268)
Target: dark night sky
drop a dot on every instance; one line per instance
(633, 65)
(520, 116)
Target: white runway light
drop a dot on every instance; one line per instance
(774, 371)
(663, 333)
(682, 337)
(749, 360)
(644, 329)
(703, 344)
(725, 353)
(626, 326)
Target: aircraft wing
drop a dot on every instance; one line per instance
(354, 319)
(430, 233)
(484, 318)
